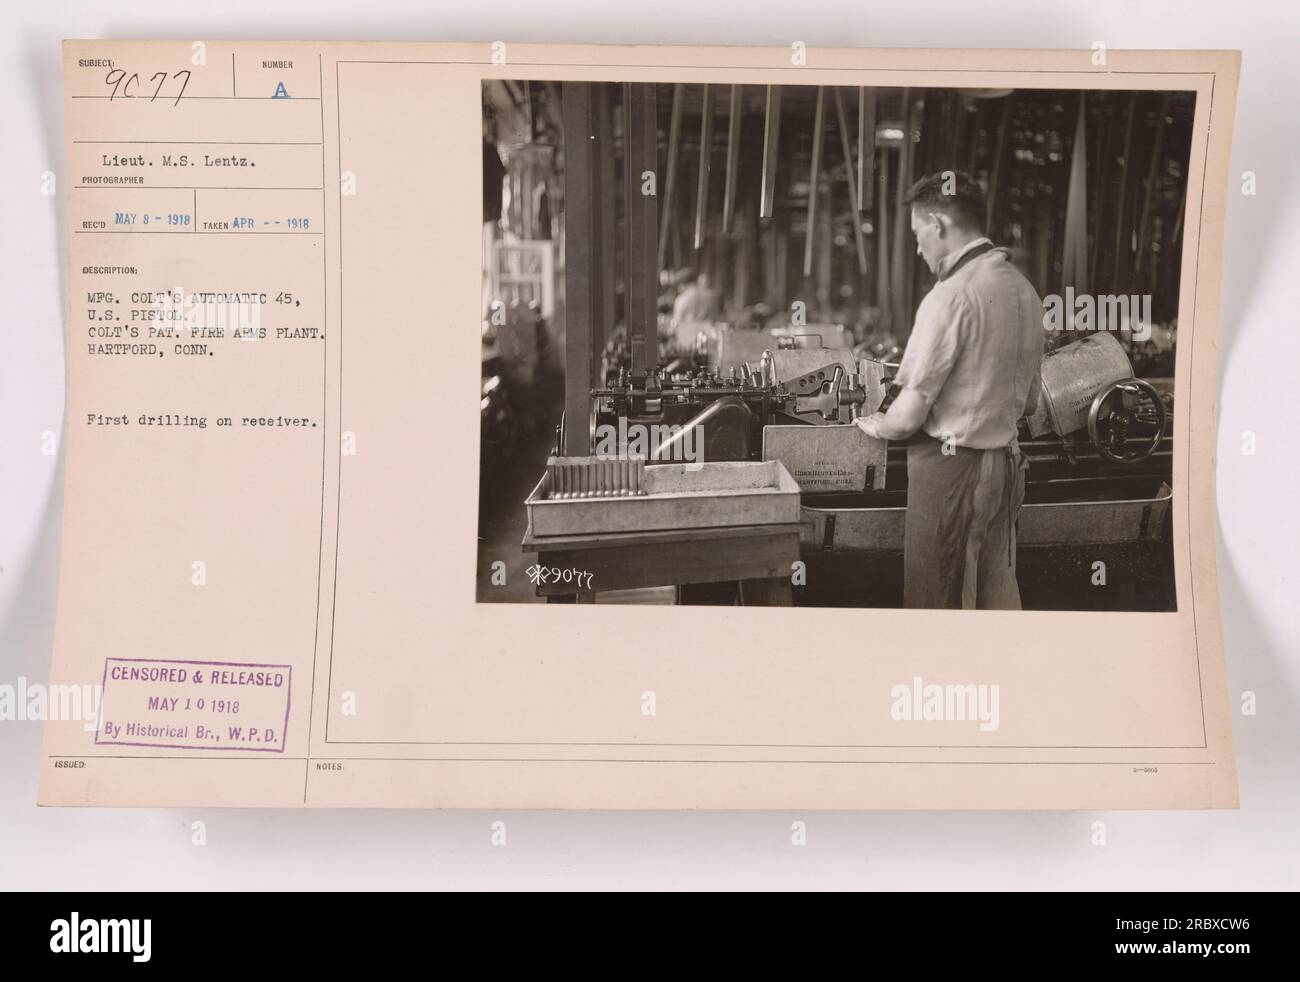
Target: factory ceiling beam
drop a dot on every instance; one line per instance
(640, 157)
(733, 156)
(855, 210)
(813, 179)
(702, 180)
(1074, 262)
(607, 176)
(1120, 207)
(901, 271)
(882, 299)
(670, 178)
(866, 147)
(771, 139)
(582, 282)
(1157, 158)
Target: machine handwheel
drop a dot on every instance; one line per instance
(1112, 421)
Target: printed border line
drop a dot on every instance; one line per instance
(628, 760)
(324, 445)
(624, 66)
(1212, 75)
(214, 143)
(1191, 361)
(214, 98)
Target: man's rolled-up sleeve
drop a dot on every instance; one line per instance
(936, 341)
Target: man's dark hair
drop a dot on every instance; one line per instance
(955, 193)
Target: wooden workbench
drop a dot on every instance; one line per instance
(759, 557)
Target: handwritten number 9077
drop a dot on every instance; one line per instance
(124, 84)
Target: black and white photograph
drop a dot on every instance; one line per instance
(822, 345)
(954, 341)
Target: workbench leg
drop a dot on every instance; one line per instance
(773, 592)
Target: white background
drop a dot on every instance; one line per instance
(1259, 365)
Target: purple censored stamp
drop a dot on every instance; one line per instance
(194, 705)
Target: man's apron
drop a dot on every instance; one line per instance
(959, 542)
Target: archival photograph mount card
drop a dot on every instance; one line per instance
(845, 432)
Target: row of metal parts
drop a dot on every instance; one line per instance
(595, 477)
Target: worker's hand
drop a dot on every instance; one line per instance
(870, 424)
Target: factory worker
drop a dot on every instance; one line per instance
(698, 303)
(969, 372)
